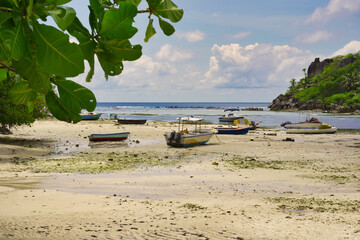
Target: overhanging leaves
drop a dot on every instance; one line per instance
(56, 54)
(21, 93)
(13, 38)
(75, 97)
(166, 9)
(150, 30)
(167, 28)
(123, 50)
(117, 24)
(65, 18)
(58, 110)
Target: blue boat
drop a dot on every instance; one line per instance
(232, 130)
(90, 116)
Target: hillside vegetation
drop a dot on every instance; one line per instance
(332, 84)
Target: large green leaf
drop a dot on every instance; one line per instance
(14, 39)
(86, 44)
(4, 16)
(117, 24)
(75, 97)
(123, 50)
(150, 30)
(167, 28)
(166, 9)
(3, 74)
(65, 18)
(58, 110)
(31, 71)
(111, 65)
(56, 55)
(21, 93)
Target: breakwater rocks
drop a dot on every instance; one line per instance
(290, 103)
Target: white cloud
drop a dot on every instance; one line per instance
(335, 8)
(316, 37)
(169, 53)
(255, 66)
(241, 35)
(194, 36)
(351, 47)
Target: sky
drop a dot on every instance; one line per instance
(229, 51)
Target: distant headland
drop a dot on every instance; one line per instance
(331, 85)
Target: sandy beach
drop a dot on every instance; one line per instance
(55, 185)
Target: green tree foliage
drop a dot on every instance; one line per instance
(335, 84)
(42, 57)
(15, 115)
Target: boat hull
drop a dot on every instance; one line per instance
(131, 121)
(311, 130)
(188, 140)
(109, 137)
(229, 119)
(232, 130)
(302, 125)
(91, 116)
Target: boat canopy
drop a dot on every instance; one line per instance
(231, 109)
(189, 119)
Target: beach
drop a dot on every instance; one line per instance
(55, 185)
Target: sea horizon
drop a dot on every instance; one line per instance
(211, 111)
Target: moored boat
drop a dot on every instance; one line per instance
(232, 130)
(109, 137)
(230, 116)
(310, 123)
(131, 121)
(90, 116)
(311, 130)
(185, 138)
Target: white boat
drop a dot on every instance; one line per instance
(311, 123)
(230, 116)
(186, 138)
(311, 130)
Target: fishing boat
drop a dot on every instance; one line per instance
(230, 116)
(131, 121)
(247, 123)
(109, 137)
(309, 123)
(232, 130)
(319, 130)
(90, 116)
(186, 138)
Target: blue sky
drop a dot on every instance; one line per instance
(231, 50)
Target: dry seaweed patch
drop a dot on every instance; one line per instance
(252, 163)
(316, 204)
(100, 163)
(193, 206)
(338, 179)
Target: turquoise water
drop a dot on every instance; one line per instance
(211, 111)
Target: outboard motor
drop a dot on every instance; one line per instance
(178, 137)
(172, 136)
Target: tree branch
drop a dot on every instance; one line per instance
(6, 10)
(4, 66)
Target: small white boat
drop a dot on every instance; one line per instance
(311, 123)
(311, 130)
(230, 116)
(109, 137)
(185, 138)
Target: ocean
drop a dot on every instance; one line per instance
(211, 111)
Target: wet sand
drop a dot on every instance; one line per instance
(53, 185)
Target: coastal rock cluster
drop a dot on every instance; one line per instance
(291, 103)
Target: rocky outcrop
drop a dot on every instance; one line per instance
(290, 103)
(317, 67)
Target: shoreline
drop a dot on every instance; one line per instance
(253, 186)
